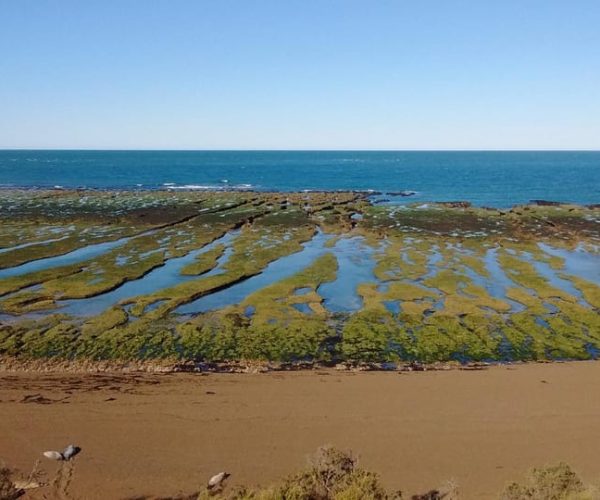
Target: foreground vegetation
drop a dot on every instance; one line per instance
(334, 475)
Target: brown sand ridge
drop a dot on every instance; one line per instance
(164, 434)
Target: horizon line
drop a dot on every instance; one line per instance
(390, 150)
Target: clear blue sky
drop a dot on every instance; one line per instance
(404, 74)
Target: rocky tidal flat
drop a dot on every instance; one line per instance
(326, 277)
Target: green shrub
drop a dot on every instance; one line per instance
(331, 475)
(557, 482)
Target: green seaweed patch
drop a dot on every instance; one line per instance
(402, 260)
(374, 335)
(460, 339)
(129, 262)
(475, 263)
(111, 318)
(212, 337)
(590, 291)
(204, 262)
(297, 340)
(231, 337)
(23, 302)
(275, 302)
(142, 339)
(51, 336)
(16, 283)
(250, 255)
(61, 246)
(524, 274)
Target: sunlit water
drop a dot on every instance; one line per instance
(162, 277)
(491, 178)
(275, 271)
(74, 257)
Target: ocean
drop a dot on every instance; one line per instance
(485, 178)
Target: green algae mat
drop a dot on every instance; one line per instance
(294, 277)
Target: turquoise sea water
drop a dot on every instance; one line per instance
(489, 178)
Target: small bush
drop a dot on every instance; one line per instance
(331, 475)
(7, 488)
(558, 482)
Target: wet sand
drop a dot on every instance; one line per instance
(166, 434)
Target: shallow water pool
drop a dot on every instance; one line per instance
(162, 277)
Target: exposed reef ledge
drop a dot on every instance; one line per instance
(51, 365)
(440, 282)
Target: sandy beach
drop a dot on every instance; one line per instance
(161, 434)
